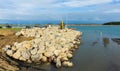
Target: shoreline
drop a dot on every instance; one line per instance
(42, 25)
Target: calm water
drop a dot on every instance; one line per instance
(97, 52)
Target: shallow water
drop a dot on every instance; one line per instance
(97, 52)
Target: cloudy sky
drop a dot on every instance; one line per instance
(80, 11)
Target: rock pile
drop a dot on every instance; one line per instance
(49, 45)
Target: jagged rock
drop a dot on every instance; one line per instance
(44, 59)
(67, 63)
(16, 43)
(13, 48)
(57, 52)
(64, 59)
(19, 33)
(33, 51)
(16, 55)
(58, 63)
(25, 54)
(48, 54)
(69, 55)
(9, 52)
(7, 47)
(36, 57)
(70, 64)
(40, 51)
(22, 58)
(28, 45)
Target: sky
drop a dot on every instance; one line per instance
(50, 11)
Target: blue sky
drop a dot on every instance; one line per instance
(79, 11)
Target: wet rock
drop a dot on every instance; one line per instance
(58, 63)
(67, 63)
(70, 64)
(64, 59)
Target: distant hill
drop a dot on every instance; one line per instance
(112, 23)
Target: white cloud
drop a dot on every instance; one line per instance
(113, 11)
(55, 9)
(97, 19)
(83, 3)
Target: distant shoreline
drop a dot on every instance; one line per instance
(41, 25)
(93, 25)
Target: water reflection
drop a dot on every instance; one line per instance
(105, 42)
(113, 66)
(116, 40)
(94, 43)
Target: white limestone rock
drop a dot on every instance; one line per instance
(9, 52)
(16, 55)
(25, 54)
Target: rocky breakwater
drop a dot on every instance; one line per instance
(49, 45)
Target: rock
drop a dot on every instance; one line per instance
(44, 59)
(18, 33)
(64, 59)
(70, 64)
(35, 45)
(69, 55)
(67, 63)
(28, 45)
(16, 43)
(25, 54)
(36, 57)
(40, 51)
(22, 58)
(29, 61)
(21, 49)
(7, 47)
(58, 63)
(33, 51)
(63, 54)
(13, 48)
(9, 52)
(76, 47)
(48, 54)
(57, 52)
(51, 49)
(16, 55)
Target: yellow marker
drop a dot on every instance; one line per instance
(62, 24)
